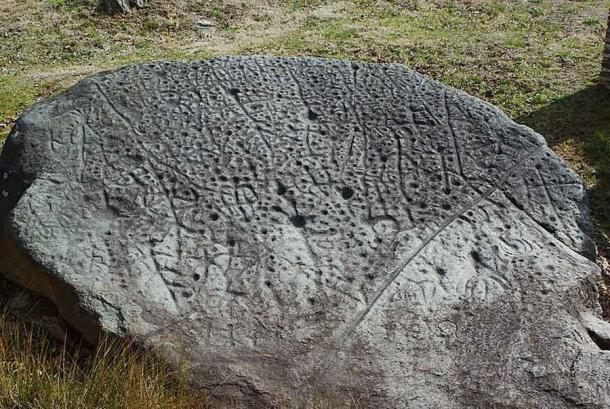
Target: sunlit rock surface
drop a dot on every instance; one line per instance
(305, 228)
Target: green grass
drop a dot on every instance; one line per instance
(577, 126)
(517, 56)
(17, 95)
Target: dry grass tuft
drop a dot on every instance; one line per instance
(38, 372)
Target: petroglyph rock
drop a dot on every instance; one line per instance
(303, 227)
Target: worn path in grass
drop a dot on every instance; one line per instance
(537, 60)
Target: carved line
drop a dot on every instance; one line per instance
(394, 276)
(456, 146)
(363, 315)
(544, 230)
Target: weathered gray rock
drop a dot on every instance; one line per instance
(303, 227)
(20, 304)
(120, 6)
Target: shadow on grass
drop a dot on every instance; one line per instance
(577, 127)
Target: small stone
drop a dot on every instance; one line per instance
(205, 24)
(120, 6)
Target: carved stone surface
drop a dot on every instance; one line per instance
(304, 227)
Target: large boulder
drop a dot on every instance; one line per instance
(311, 229)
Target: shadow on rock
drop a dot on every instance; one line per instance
(578, 128)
